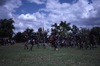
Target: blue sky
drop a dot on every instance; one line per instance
(44, 13)
(29, 7)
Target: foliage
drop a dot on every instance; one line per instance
(61, 29)
(41, 34)
(6, 28)
(74, 29)
(96, 32)
(28, 32)
(19, 37)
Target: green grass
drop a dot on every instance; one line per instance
(17, 56)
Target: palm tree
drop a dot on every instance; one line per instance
(56, 29)
(64, 27)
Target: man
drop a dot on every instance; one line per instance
(54, 42)
(32, 41)
(26, 42)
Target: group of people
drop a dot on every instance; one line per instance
(7, 41)
(56, 41)
(73, 41)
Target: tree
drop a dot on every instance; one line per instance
(74, 29)
(6, 28)
(61, 28)
(40, 30)
(19, 37)
(96, 32)
(41, 34)
(28, 32)
(64, 28)
(56, 29)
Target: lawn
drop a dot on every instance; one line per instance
(16, 56)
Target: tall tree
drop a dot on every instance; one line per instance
(61, 28)
(41, 34)
(56, 29)
(28, 32)
(64, 27)
(96, 32)
(6, 28)
(19, 37)
(40, 30)
(74, 29)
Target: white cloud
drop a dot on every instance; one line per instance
(8, 7)
(77, 13)
(12, 4)
(4, 13)
(27, 17)
(80, 13)
(34, 20)
(69, 12)
(37, 1)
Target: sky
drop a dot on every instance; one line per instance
(43, 13)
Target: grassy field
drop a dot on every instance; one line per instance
(17, 56)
